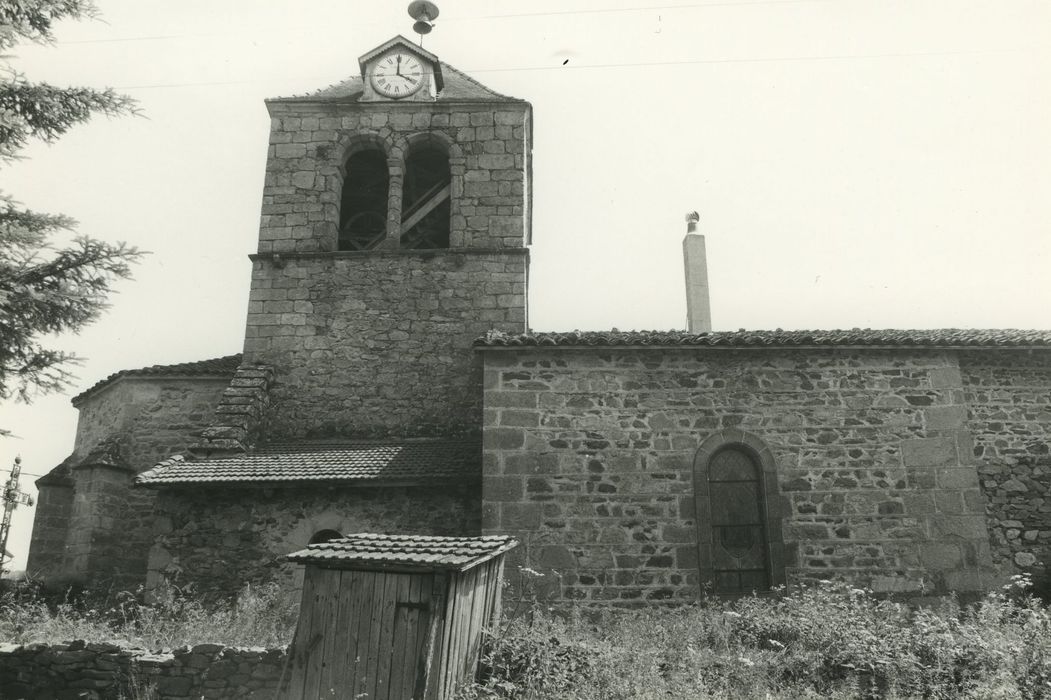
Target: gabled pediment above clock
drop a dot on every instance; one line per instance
(448, 84)
(399, 70)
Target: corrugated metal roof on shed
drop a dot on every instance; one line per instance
(420, 552)
(886, 338)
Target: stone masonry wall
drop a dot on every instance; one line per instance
(379, 343)
(155, 417)
(101, 671)
(489, 150)
(108, 531)
(54, 508)
(588, 459)
(1009, 398)
(223, 537)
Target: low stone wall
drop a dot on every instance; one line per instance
(100, 671)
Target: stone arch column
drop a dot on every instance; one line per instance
(395, 196)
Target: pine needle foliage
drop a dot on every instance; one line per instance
(46, 288)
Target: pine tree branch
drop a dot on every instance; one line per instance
(45, 288)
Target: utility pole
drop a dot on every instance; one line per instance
(12, 497)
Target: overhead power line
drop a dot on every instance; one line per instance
(642, 64)
(655, 8)
(470, 18)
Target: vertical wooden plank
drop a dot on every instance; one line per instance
(474, 625)
(362, 632)
(383, 650)
(368, 680)
(313, 641)
(463, 609)
(327, 590)
(345, 638)
(397, 634)
(456, 648)
(492, 596)
(485, 590)
(485, 574)
(314, 638)
(335, 634)
(332, 660)
(365, 634)
(453, 629)
(420, 649)
(449, 635)
(298, 650)
(420, 596)
(493, 613)
(406, 619)
(498, 584)
(399, 628)
(428, 682)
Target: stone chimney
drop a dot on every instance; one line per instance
(698, 308)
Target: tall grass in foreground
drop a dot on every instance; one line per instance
(259, 616)
(828, 641)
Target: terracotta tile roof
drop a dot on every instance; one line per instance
(405, 551)
(218, 366)
(938, 338)
(458, 87)
(372, 461)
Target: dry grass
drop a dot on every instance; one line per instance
(830, 641)
(260, 616)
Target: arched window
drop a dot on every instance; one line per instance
(735, 494)
(324, 536)
(738, 515)
(425, 205)
(363, 208)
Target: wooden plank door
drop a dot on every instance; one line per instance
(362, 635)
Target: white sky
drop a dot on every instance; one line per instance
(856, 163)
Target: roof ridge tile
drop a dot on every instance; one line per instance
(215, 366)
(937, 337)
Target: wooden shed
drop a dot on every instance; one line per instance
(394, 617)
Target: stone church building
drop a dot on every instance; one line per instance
(389, 382)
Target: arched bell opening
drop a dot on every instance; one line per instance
(363, 207)
(426, 202)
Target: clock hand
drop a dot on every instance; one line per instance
(399, 65)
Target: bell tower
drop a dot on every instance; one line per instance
(394, 231)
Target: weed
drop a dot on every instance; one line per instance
(825, 641)
(170, 617)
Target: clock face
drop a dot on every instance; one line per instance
(397, 75)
